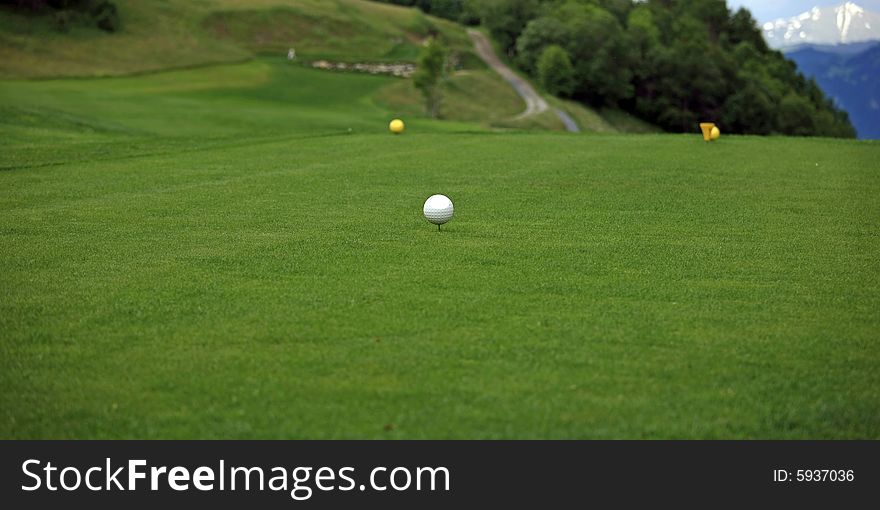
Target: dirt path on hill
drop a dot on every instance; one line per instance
(535, 104)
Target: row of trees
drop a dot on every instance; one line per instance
(672, 62)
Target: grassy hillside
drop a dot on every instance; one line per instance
(475, 96)
(181, 33)
(211, 253)
(340, 30)
(158, 36)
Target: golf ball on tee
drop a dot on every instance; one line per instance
(438, 209)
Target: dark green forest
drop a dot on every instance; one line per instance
(674, 63)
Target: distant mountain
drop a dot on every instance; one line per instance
(850, 75)
(842, 24)
(835, 49)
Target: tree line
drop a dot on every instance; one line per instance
(674, 63)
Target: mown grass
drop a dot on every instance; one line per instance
(56, 121)
(210, 253)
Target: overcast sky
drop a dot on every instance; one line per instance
(766, 10)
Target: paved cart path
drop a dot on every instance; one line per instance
(535, 104)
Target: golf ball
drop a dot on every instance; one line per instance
(396, 126)
(438, 209)
(715, 133)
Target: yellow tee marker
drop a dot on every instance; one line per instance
(706, 128)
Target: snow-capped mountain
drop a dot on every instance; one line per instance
(842, 24)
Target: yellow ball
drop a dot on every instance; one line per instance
(396, 126)
(715, 133)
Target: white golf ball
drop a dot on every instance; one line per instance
(438, 209)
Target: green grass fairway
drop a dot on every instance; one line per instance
(211, 254)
